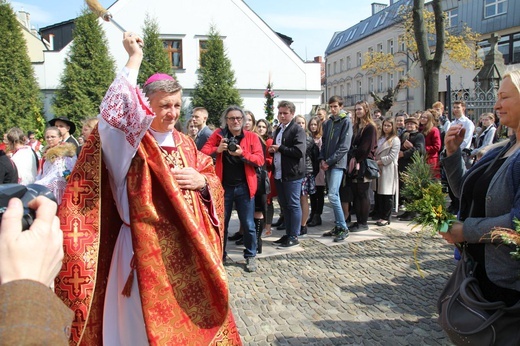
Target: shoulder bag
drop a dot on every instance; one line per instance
(371, 169)
(468, 318)
(264, 185)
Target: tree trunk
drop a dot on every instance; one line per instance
(431, 65)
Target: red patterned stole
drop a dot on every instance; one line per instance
(178, 250)
(90, 224)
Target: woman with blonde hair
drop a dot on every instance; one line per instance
(387, 185)
(489, 193)
(363, 145)
(88, 125)
(432, 139)
(249, 121)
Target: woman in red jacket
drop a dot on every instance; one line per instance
(432, 138)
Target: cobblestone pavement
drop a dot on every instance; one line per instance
(366, 291)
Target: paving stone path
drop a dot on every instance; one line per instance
(366, 291)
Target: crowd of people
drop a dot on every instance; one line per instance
(155, 220)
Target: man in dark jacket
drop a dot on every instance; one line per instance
(337, 135)
(289, 163)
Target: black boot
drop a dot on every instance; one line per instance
(259, 227)
(316, 221)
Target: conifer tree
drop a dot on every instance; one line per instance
(155, 58)
(89, 71)
(20, 100)
(215, 89)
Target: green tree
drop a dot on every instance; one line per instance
(155, 58)
(21, 103)
(215, 89)
(89, 71)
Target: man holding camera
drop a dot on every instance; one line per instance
(238, 153)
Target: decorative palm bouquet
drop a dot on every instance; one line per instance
(424, 197)
(509, 237)
(269, 102)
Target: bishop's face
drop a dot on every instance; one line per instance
(167, 109)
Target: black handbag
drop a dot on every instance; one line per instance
(371, 169)
(468, 318)
(264, 185)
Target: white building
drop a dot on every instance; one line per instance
(256, 52)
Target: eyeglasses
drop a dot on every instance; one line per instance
(235, 118)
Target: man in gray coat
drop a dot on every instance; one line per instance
(337, 135)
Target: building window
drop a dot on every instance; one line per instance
(401, 73)
(390, 46)
(341, 66)
(381, 19)
(380, 83)
(452, 17)
(203, 47)
(359, 85)
(174, 50)
(402, 45)
(328, 70)
(348, 63)
(351, 35)
(391, 80)
(335, 67)
(371, 84)
(359, 62)
(341, 91)
(335, 90)
(380, 48)
(494, 7)
(371, 52)
(338, 40)
(364, 28)
(349, 89)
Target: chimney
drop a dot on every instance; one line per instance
(376, 7)
(318, 58)
(25, 18)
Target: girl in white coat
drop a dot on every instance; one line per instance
(386, 156)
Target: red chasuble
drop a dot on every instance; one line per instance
(177, 246)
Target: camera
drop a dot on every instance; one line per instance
(232, 144)
(26, 194)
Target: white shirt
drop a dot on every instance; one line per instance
(277, 155)
(470, 128)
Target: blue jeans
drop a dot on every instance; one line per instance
(246, 210)
(289, 193)
(334, 177)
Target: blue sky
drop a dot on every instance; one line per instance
(310, 23)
